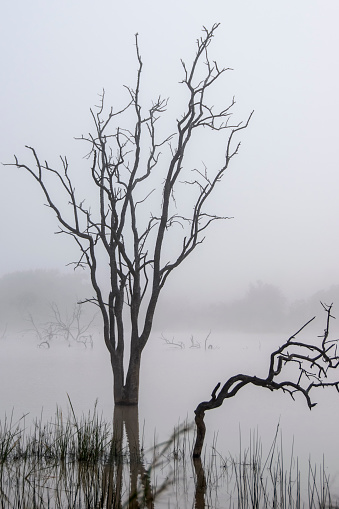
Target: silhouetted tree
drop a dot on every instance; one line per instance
(141, 204)
(312, 361)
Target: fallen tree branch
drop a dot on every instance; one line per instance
(313, 363)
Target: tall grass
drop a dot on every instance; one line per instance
(85, 439)
(72, 462)
(252, 480)
(10, 436)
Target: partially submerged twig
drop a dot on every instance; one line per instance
(171, 342)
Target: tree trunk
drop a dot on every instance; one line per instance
(201, 431)
(118, 378)
(126, 393)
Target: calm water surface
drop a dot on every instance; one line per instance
(173, 382)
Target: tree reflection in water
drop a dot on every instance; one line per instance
(140, 493)
(200, 484)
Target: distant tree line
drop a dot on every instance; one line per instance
(263, 308)
(33, 292)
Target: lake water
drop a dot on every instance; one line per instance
(173, 381)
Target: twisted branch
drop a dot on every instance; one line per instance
(313, 365)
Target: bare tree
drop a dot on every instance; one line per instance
(313, 363)
(68, 327)
(142, 204)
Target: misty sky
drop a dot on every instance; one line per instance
(283, 187)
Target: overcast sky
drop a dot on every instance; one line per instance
(283, 188)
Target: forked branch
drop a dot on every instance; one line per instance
(313, 364)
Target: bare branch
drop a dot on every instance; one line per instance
(313, 363)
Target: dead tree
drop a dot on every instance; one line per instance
(313, 363)
(70, 328)
(142, 205)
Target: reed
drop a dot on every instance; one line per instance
(252, 480)
(71, 462)
(92, 437)
(10, 438)
(85, 439)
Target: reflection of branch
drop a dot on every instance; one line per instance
(313, 363)
(200, 484)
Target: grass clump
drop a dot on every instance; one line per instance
(86, 439)
(80, 463)
(10, 437)
(91, 440)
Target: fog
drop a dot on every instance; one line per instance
(281, 189)
(256, 278)
(29, 299)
